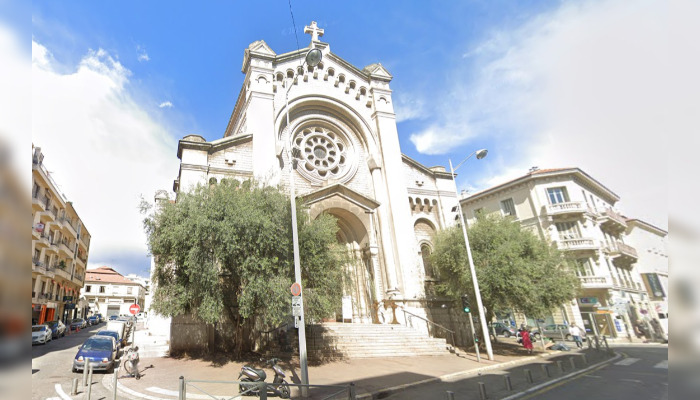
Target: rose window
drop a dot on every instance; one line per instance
(322, 154)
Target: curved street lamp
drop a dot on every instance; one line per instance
(479, 155)
(313, 58)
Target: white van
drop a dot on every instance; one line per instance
(117, 326)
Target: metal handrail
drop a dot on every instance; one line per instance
(451, 332)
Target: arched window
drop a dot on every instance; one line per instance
(425, 252)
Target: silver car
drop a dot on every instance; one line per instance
(41, 334)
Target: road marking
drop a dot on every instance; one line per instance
(627, 361)
(662, 364)
(631, 380)
(61, 393)
(593, 376)
(175, 393)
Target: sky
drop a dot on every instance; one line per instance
(108, 88)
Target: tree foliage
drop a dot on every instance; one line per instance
(516, 270)
(224, 252)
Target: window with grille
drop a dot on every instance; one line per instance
(508, 207)
(584, 267)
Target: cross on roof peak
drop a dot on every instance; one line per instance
(314, 30)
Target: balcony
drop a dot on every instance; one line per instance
(63, 273)
(622, 255)
(568, 208)
(595, 282)
(38, 266)
(68, 226)
(53, 247)
(65, 250)
(48, 216)
(578, 244)
(38, 204)
(612, 221)
(78, 279)
(42, 241)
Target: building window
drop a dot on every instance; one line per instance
(129, 289)
(557, 195)
(425, 251)
(88, 288)
(508, 207)
(584, 267)
(568, 230)
(36, 190)
(102, 289)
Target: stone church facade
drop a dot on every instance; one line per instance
(345, 146)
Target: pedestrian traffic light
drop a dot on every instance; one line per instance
(465, 304)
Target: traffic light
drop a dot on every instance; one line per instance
(465, 304)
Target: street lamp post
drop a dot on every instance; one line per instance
(479, 155)
(313, 57)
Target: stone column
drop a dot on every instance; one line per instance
(384, 227)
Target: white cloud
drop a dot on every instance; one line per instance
(584, 85)
(408, 107)
(142, 55)
(166, 104)
(102, 147)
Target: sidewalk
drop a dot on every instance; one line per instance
(373, 378)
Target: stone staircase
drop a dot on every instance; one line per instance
(331, 341)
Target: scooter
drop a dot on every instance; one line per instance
(278, 387)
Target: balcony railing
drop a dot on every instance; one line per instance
(571, 207)
(594, 281)
(612, 220)
(577, 244)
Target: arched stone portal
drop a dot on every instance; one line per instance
(355, 216)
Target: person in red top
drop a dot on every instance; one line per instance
(525, 337)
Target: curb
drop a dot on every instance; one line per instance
(561, 378)
(382, 393)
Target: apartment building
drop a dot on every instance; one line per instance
(577, 212)
(60, 248)
(146, 283)
(110, 293)
(651, 243)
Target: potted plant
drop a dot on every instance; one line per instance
(62, 264)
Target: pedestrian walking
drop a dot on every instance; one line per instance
(576, 334)
(525, 338)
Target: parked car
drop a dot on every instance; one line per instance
(58, 328)
(93, 320)
(41, 334)
(101, 317)
(113, 317)
(114, 334)
(554, 331)
(101, 350)
(502, 329)
(76, 323)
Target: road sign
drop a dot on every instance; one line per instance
(296, 306)
(296, 289)
(134, 309)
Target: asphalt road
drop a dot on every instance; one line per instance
(52, 363)
(642, 373)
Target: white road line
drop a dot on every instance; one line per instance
(631, 380)
(663, 364)
(189, 395)
(61, 393)
(627, 361)
(593, 376)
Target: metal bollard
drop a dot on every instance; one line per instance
(560, 366)
(506, 380)
(352, 394)
(585, 360)
(482, 391)
(74, 387)
(85, 370)
(607, 348)
(114, 384)
(450, 395)
(263, 391)
(89, 388)
(545, 370)
(528, 375)
(572, 362)
(590, 343)
(182, 395)
(597, 343)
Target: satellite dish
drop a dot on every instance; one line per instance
(313, 57)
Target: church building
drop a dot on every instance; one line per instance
(335, 122)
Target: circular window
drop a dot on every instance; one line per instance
(322, 153)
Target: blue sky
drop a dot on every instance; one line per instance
(538, 83)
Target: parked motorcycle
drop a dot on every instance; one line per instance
(278, 387)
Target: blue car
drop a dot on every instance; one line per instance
(101, 350)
